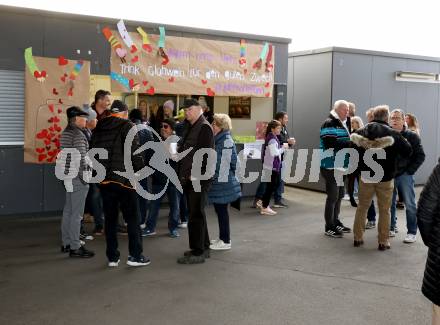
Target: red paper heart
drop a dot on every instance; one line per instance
(50, 120)
(40, 150)
(41, 157)
(131, 83)
(63, 78)
(133, 49)
(46, 142)
(135, 59)
(165, 61)
(147, 47)
(60, 110)
(62, 60)
(43, 74)
(60, 101)
(52, 153)
(51, 107)
(171, 79)
(210, 92)
(267, 94)
(204, 81)
(145, 83)
(267, 84)
(42, 134)
(56, 119)
(51, 129)
(37, 74)
(54, 91)
(57, 128)
(70, 92)
(150, 91)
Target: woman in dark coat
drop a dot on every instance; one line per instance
(428, 220)
(225, 188)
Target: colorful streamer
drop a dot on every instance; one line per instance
(32, 66)
(76, 70)
(263, 54)
(269, 66)
(122, 80)
(126, 36)
(114, 43)
(161, 43)
(145, 41)
(242, 60)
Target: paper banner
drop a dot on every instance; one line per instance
(115, 44)
(161, 43)
(196, 66)
(145, 41)
(126, 37)
(46, 104)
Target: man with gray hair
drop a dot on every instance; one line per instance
(387, 144)
(404, 181)
(334, 135)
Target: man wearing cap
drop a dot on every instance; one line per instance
(198, 134)
(116, 190)
(73, 138)
(94, 200)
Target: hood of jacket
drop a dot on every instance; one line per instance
(375, 135)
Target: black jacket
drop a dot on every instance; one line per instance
(428, 221)
(110, 134)
(284, 135)
(379, 135)
(196, 136)
(410, 164)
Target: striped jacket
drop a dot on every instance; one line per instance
(74, 137)
(334, 135)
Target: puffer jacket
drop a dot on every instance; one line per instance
(411, 164)
(379, 135)
(226, 191)
(110, 134)
(428, 221)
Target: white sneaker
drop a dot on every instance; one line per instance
(220, 245)
(82, 242)
(410, 238)
(213, 241)
(183, 225)
(346, 197)
(114, 264)
(268, 211)
(259, 204)
(392, 233)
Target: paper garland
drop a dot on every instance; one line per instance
(121, 52)
(145, 41)
(161, 46)
(269, 66)
(126, 37)
(32, 66)
(76, 69)
(263, 54)
(242, 60)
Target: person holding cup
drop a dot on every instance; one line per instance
(159, 181)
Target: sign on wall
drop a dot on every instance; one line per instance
(240, 107)
(175, 65)
(51, 86)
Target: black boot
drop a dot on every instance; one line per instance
(81, 252)
(353, 202)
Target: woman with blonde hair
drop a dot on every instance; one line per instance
(412, 123)
(225, 187)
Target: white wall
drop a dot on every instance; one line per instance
(261, 110)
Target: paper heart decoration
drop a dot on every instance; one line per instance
(145, 83)
(41, 157)
(51, 107)
(147, 47)
(70, 92)
(171, 79)
(165, 61)
(131, 83)
(53, 152)
(210, 92)
(60, 101)
(204, 81)
(267, 84)
(63, 78)
(267, 94)
(150, 91)
(121, 52)
(42, 134)
(62, 60)
(133, 49)
(46, 142)
(40, 150)
(56, 119)
(54, 91)
(60, 110)
(135, 59)
(51, 129)
(57, 128)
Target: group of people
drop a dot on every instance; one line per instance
(106, 125)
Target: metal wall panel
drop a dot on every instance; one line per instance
(11, 106)
(53, 190)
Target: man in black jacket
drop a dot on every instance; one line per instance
(197, 135)
(372, 140)
(404, 181)
(428, 219)
(116, 190)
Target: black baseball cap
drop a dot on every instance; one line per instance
(188, 102)
(118, 106)
(75, 111)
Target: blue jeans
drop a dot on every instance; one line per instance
(143, 203)
(173, 201)
(405, 184)
(94, 205)
(223, 222)
(278, 191)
